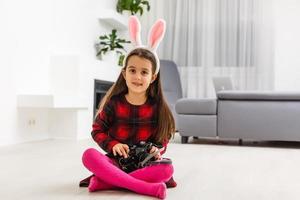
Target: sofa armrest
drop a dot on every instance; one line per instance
(258, 95)
(205, 106)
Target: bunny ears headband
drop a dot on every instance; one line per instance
(155, 36)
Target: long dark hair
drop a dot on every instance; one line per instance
(166, 124)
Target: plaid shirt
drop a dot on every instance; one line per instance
(122, 122)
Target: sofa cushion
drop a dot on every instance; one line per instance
(258, 95)
(196, 106)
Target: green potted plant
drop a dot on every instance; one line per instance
(134, 6)
(111, 42)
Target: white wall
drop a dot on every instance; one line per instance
(287, 44)
(38, 37)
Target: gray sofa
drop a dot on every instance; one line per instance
(171, 84)
(243, 115)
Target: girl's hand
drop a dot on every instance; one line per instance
(154, 149)
(121, 149)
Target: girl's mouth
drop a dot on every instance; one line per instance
(137, 84)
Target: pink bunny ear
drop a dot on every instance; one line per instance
(135, 30)
(156, 34)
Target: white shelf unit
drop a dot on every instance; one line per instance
(114, 19)
(50, 101)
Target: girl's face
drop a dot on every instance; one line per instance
(138, 74)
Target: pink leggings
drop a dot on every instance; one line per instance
(149, 180)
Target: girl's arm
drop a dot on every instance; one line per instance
(165, 144)
(101, 126)
(161, 150)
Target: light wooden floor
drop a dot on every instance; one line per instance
(51, 169)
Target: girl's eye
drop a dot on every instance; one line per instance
(132, 70)
(144, 72)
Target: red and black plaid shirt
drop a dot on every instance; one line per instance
(122, 122)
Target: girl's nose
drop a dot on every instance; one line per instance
(138, 76)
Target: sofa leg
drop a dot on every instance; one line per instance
(184, 139)
(240, 142)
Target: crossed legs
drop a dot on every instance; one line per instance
(149, 180)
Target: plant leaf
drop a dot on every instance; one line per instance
(141, 10)
(103, 37)
(147, 4)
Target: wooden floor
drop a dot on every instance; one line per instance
(204, 170)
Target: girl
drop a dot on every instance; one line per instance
(133, 110)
